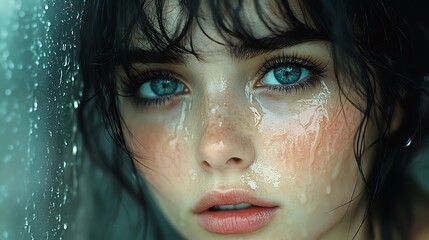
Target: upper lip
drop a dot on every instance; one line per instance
(229, 197)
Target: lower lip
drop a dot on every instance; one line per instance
(236, 221)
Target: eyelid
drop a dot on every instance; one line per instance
(316, 67)
(132, 85)
(317, 70)
(149, 75)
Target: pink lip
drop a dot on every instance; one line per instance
(234, 221)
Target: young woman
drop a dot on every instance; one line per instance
(260, 119)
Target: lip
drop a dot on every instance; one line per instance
(235, 221)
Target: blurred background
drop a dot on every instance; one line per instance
(38, 98)
(42, 188)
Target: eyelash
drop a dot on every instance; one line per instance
(316, 69)
(132, 87)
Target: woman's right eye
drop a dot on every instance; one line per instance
(155, 89)
(160, 87)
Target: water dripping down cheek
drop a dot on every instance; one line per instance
(296, 139)
(299, 138)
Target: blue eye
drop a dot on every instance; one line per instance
(285, 75)
(160, 87)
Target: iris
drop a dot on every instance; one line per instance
(287, 74)
(163, 87)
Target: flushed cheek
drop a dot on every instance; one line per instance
(159, 155)
(313, 147)
(160, 143)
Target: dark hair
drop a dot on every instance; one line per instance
(382, 45)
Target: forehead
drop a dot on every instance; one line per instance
(212, 25)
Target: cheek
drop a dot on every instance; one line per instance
(156, 149)
(314, 148)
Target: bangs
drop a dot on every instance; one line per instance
(167, 28)
(162, 31)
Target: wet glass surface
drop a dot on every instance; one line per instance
(38, 98)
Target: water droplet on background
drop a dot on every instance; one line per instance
(34, 163)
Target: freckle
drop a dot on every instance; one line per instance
(328, 189)
(303, 198)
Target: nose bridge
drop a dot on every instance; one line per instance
(218, 123)
(225, 140)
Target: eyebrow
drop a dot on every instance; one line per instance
(241, 51)
(268, 44)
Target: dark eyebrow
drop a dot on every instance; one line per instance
(241, 51)
(145, 57)
(289, 39)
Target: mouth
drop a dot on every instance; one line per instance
(233, 212)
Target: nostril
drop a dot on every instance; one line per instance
(236, 160)
(206, 164)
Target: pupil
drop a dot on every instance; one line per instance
(287, 75)
(162, 87)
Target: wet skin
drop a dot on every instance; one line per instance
(228, 128)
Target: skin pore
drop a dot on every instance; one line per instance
(230, 125)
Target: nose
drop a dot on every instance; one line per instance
(225, 142)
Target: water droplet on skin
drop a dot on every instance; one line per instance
(317, 107)
(252, 184)
(303, 198)
(249, 92)
(266, 173)
(218, 146)
(223, 84)
(213, 110)
(193, 175)
(256, 115)
(328, 189)
(335, 171)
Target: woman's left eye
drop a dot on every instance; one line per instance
(285, 75)
(290, 74)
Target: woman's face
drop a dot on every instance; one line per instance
(258, 146)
